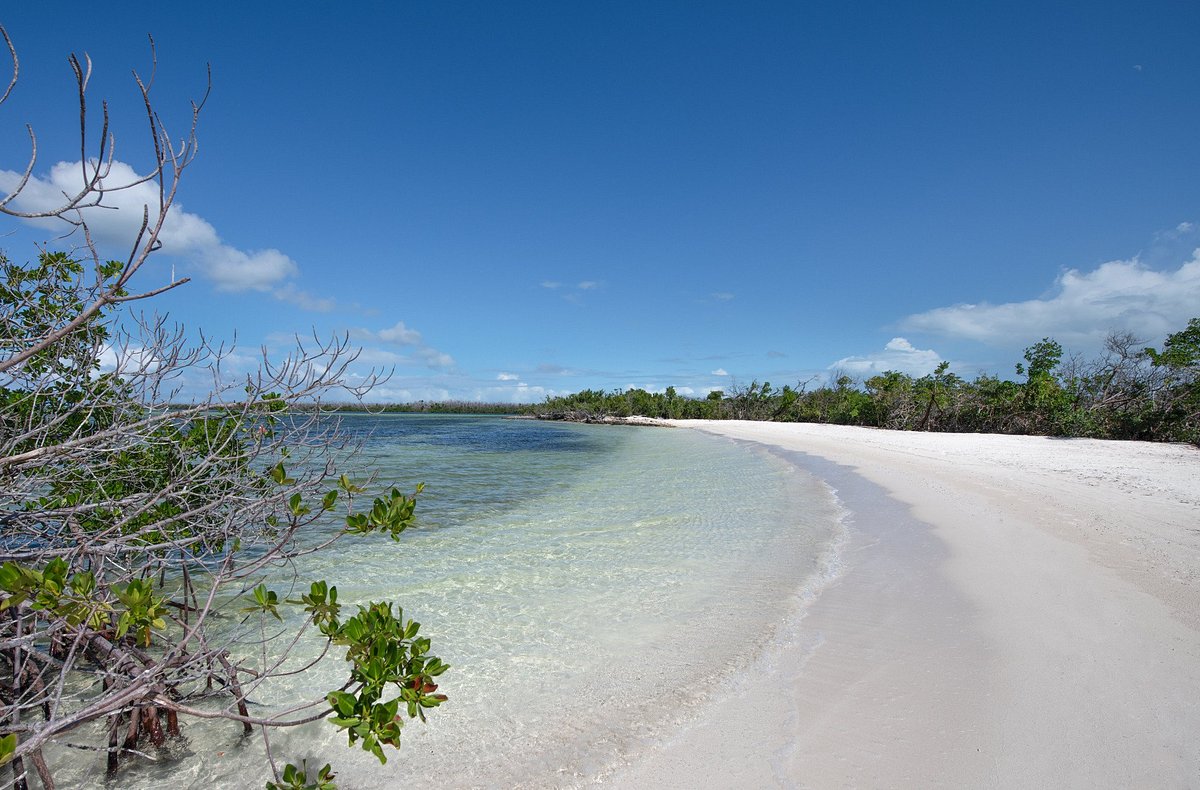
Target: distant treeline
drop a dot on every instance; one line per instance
(428, 407)
(1130, 392)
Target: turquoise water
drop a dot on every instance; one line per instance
(590, 586)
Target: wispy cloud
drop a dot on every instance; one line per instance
(434, 359)
(289, 293)
(720, 372)
(1082, 308)
(400, 335)
(513, 392)
(722, 296)
(417, 352)
(507, 377)
(572, 293)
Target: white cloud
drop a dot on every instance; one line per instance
(655, 389)
(434, 359)
(380, 357)
(292, 295)
(126, 359)
(720, 372)
(400, 334)
(1082, 308)
(520, 393)
(406, 337)
(233, 270)
(414, 391)
(898, 354)
(507, 377)
(722, 296)
(571, 293)
(185, 235)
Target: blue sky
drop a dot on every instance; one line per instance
(509, 200)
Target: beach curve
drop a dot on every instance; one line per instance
(1015, 612)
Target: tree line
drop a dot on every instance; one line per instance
(1129, 391)
(418, 407)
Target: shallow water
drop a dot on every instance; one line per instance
(589, 585)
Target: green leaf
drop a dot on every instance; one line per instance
(329, 500)
(8, 747)
(297, 507)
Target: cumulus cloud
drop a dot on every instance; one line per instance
(1082, 308)
(185, 235)
(233, 270)
(900, 344)
(720, 372)
(898, 354)
(507, 377)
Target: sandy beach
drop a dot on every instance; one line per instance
(1012, 612)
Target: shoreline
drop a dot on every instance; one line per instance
(1014, 611)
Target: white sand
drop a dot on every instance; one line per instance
(1016, 612)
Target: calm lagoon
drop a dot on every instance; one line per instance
(589, 585)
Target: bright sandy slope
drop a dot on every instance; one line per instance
(1014, 612)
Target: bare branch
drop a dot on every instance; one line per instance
(16, 70)
(148, 489)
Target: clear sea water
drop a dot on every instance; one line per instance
(591, 586)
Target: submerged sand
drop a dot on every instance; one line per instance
(1013, 612)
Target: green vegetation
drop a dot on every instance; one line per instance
(140, 537)
(1131, 392)
(423, 407)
